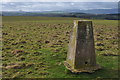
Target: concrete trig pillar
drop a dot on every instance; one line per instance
(81, 54)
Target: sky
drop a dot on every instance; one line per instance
(60, 0)
(53, 5)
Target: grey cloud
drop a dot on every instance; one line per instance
(56, 5)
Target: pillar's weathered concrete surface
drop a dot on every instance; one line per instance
(81, 54)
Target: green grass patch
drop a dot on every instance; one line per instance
(36, 47)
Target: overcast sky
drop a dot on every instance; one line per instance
(51, 5)
(60, 0)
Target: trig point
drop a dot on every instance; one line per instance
(81, 54)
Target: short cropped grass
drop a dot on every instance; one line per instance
(36, 47)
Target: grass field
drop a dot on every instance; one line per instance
(35, 47)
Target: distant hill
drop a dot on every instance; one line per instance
(101, 11)
(111, 14)
(93, 11)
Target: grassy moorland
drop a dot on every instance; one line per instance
(35, 47)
